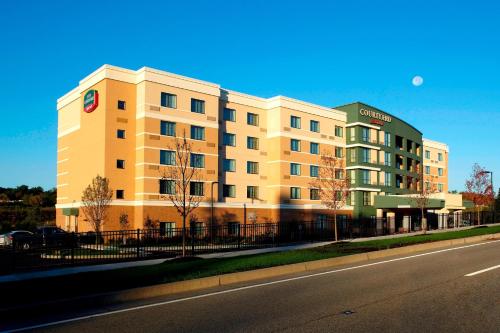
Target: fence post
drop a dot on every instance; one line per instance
(239, 236)
(137, 242)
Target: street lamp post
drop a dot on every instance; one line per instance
(212, 208)
(492, 193)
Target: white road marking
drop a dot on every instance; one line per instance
(103, 314)
(482, 271)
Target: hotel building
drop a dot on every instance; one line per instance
(258, 155)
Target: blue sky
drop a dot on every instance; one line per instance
(325, 52)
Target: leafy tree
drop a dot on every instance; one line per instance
(96, 199)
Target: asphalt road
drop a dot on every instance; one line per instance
(427, 293)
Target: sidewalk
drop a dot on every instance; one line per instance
(106, 267)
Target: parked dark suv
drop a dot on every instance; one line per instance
(55, 237)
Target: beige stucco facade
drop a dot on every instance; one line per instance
(436, 166)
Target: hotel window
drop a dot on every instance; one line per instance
(353, 177)
(365, 177)
(365, 155)
(387, 179)
(294, 145)
(197, 105)
(294, 192)
(339, 131)
(120, 164)
(252, 143)
(366, 199)
(229, 191)
(167, 186)
(339, 174)
(197, 160)
(168, 100)
(252, 119)
(314, 171)
(314, 126)
(294, 169)
(427, 186)
(314, 148)
(252, 167)
(229, 139)
(353, 154)
(120, 194)
(167, 157)
(120, 134)
(440, 157)
(387, 139)
(233, 228)
(314, 194)
(387, 159)
(427, 154)
(229, 165)
(352, 199)
(197, 132)
(440, 172)
(338, 152)
(252, 192)
(352, 131)
(167, 128)
(427, 170)
(440, 187)
(196, 188)
(229, 114)
(121, 105)
(365, 134)
(294, 122)
(167, 229)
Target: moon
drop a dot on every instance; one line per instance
(417, 81)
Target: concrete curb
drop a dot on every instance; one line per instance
(166, 289)
(263, 273)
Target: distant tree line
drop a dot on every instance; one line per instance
(25, 208)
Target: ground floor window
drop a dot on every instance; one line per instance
(167, 229)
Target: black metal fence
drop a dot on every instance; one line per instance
(71, 249)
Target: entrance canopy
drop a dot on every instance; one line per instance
(70, 211)
(404, 201)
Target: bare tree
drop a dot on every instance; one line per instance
(479, 189)
(333, 184)
(421, 200)
(96, 199)
(177, 180)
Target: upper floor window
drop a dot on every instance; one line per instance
(352, 132)
(252, 167)
(120, 164)
(197, 132)
(196, 188)
(440, 171)
(167, 157)
(120, 194)
(387, 158)
(387, 139)
(338, 152)
(252, 143)
(314, 148)
(294, 192)
(168, 100)
(294, 169)
(252, 192)
(167, 186)
(387, 179)
(365, 134)
(314, 171)
(197, 105)
(339, 174)
(120, 134)
(314, 126)
(427, 154)
(440, 187)
(367, 199)
(121, 105)
(167, 128)
(365, 177)
(427, 170)
(229, 191)
(229, 114)
(197, 160)
(314, 194)
(229, 139)
(295, 145)
(294, 122)
(339, 131)
(229, 165)
(440, 157)
(365, 155)
(252, 119)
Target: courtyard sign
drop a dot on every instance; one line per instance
(377, 117)
(90, 101)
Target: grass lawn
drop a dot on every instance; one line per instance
(191, 268)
